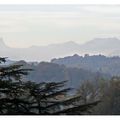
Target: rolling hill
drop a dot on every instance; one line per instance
(94, 63)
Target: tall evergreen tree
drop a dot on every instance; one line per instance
(18, 97)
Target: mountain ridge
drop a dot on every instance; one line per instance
(105, 46)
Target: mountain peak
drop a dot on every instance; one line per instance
(70, 43)
(112, 40)
(66, 43)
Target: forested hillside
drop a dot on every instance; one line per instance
(94, 63)
(46, 72)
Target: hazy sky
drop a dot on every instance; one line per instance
(24, 26)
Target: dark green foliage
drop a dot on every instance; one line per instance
(78, 109)
(18, 97)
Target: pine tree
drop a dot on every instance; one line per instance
(18, 97)
(11, 88)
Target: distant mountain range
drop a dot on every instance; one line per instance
(105, 46)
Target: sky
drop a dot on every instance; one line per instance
(28, 25)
